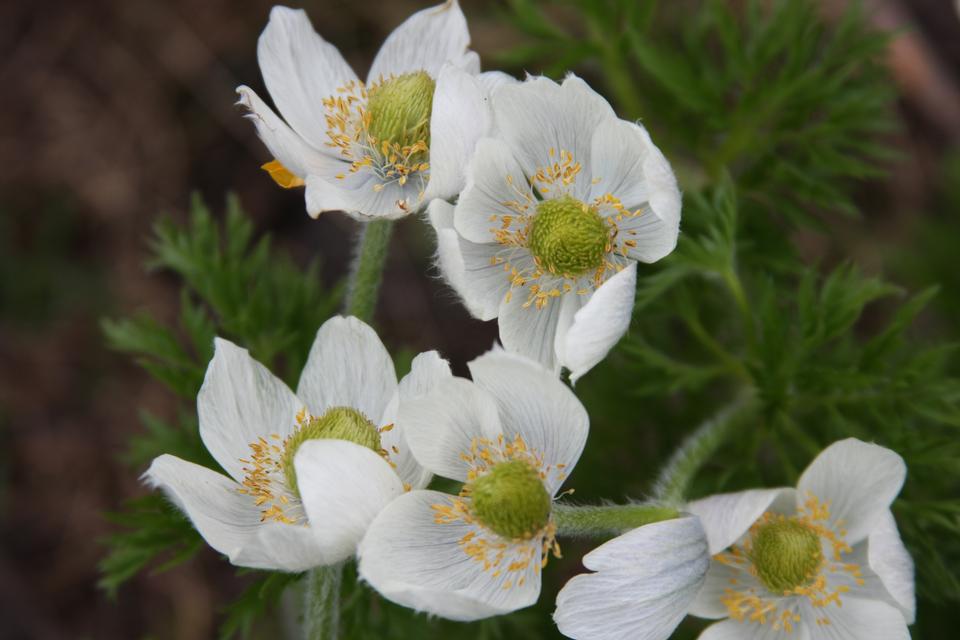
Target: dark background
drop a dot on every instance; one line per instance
(113, 111)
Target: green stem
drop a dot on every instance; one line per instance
(321, 610)
(367, 270)
(732, 364)
(733, 282)
(608, 520)
(676, 476)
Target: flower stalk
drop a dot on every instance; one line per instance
(321, 611)
(678, 473)
(366, 271)
(604, 521)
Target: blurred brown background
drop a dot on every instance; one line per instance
(115, 110)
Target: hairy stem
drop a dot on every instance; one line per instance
(686, 461)
(321, 610)
(607, 520)
(367, 269)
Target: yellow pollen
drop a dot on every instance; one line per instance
(786, 554)
(383, 127)
(497, 553)
(281, 175)
(270, 477)
(574, 248)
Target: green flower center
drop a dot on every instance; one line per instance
(338, 423)
(399, 109)
(786, 554)
(511, 500)
(568, 237)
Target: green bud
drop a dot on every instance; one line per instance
(511, 500)
(338, 423)
(400, 108)
(786, 554)
(568, 237)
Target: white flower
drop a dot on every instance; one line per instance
(512, 436)
(823, 561)
(643, 585)
(307, 472)
(381, 148)
(559, 206)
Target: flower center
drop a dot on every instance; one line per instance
(786, 554)
(511, 500)
(568, 237)
(338, 423)
(399, 109)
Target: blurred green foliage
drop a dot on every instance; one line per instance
(770, 116)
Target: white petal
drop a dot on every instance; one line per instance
(343, 486)
(415, 562)
(348, 366)
(538, 115)
(570, 306)
(291, 547)
(485, 283)
(600, 323)
(733, 630)
(469, 268)
(626, 164)
(493, 80)
(427, 371)
(646, 580)
(440, 215)
(228, 520)
(530, 331)
(727, 516)
(441, 425)
(362, 196)
(652, 548)
(241, 401)
(300, 69)
(856, 620)
(424, 42)
(859, 480)
(493, 178)
(284, 144)
(469, 62)
(891, 561)
(461, 115)
(536, 405)
(707, 603)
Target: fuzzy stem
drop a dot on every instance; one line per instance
(367, 269)
(683, 465)
(607, 520)
(321, 610)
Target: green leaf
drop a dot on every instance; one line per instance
(152, 529)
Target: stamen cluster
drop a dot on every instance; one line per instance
(505, 495)
(384, 126)
(785, 554)
(573, 246)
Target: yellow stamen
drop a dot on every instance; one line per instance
(281, 175)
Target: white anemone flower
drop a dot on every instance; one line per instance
(511, 436)
(307, 471)
(643, 584)
(823, 561)
(561, 201)
(380, 148)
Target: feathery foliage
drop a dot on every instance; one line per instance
(242, 290)
(769, 114)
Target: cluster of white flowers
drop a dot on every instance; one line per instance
(543, 202)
